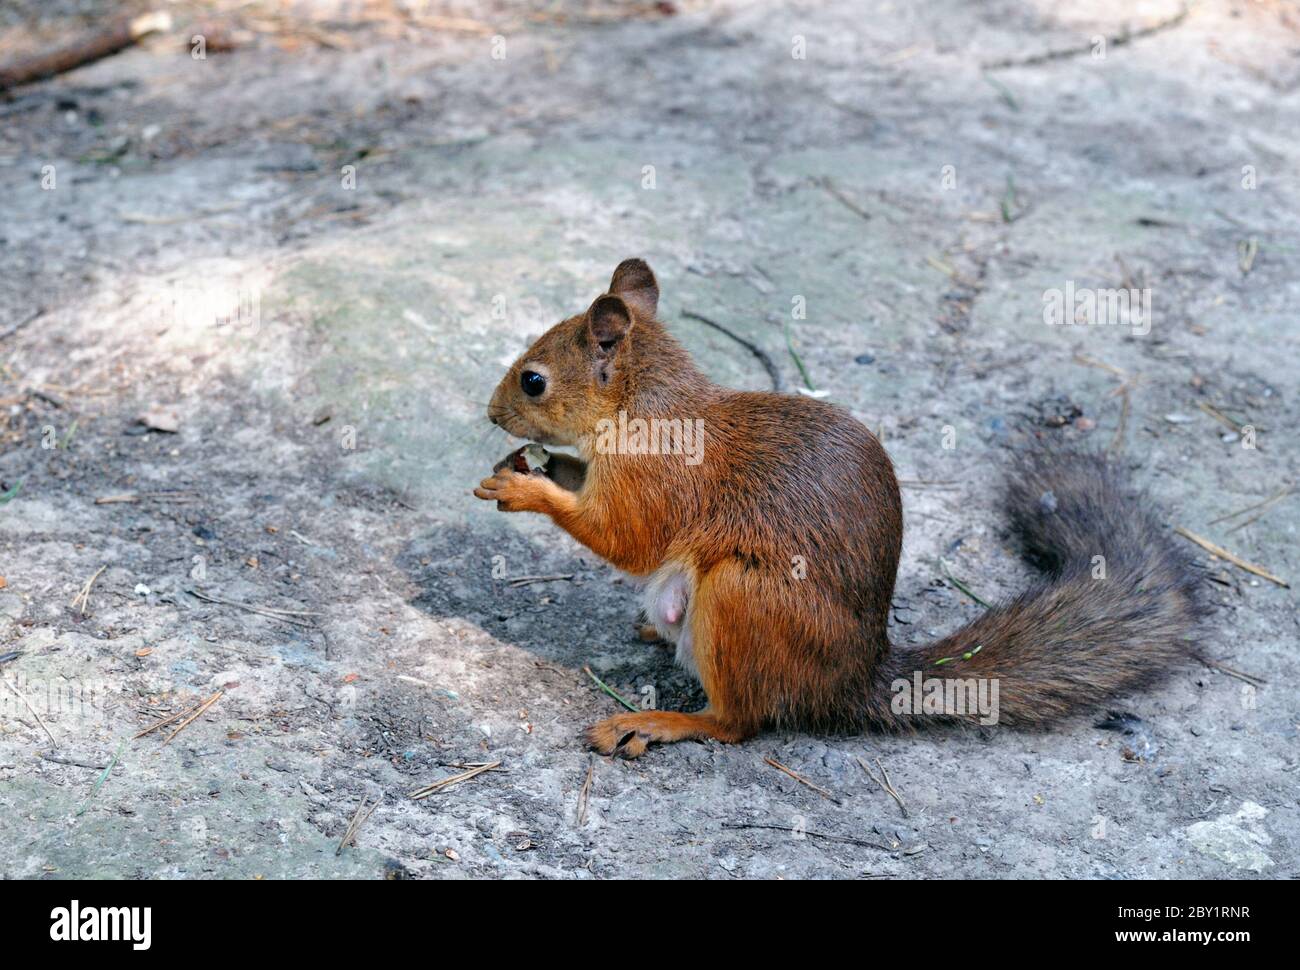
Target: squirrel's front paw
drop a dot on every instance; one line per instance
(513, 492)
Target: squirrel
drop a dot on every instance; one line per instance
(770, 554)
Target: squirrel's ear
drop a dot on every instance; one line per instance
(635, 282)
(608, 320)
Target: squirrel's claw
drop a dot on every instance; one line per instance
(618, 737)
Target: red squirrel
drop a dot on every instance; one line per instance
(771, 551)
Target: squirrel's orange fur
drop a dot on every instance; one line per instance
(785, 539)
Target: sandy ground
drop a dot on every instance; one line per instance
(316, 252)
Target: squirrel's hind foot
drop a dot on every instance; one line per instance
(628, 735)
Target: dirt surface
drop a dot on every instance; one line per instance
(313, 254)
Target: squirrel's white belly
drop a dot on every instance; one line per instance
(667, 603)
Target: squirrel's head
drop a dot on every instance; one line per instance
(573, 376)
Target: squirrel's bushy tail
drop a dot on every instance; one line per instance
(1113, 612)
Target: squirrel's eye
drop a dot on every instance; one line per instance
(532, 382)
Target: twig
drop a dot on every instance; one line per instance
(847, 840)
(84, 50)
(1237, 561)
(834, 192)
(193, 717)
(99, 783)
(13, 328)
(610, 690)
(52, 399)
(84, 596)
(354, 826)
(178, 495)
(768, 364)
(585, 793)
(525, 580)
(802, 780)
(29, 707)
(885, 784)
(288, 616)
(275, 610)
(457, 24)
(68, 761)
(1125, 36)
(428, 790)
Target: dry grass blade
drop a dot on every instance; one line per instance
(1271, 500)
(82, 599)
(1234, 672)
(193, 717)
(1236, 560)
(1219, 416)
(164, 722)
(585, 793)
(354, 826)
(1118, 441)
(123, 498)
(1082, 358)
(445, 783)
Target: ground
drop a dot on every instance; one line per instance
(312, 255)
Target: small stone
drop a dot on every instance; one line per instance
(159, 418)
